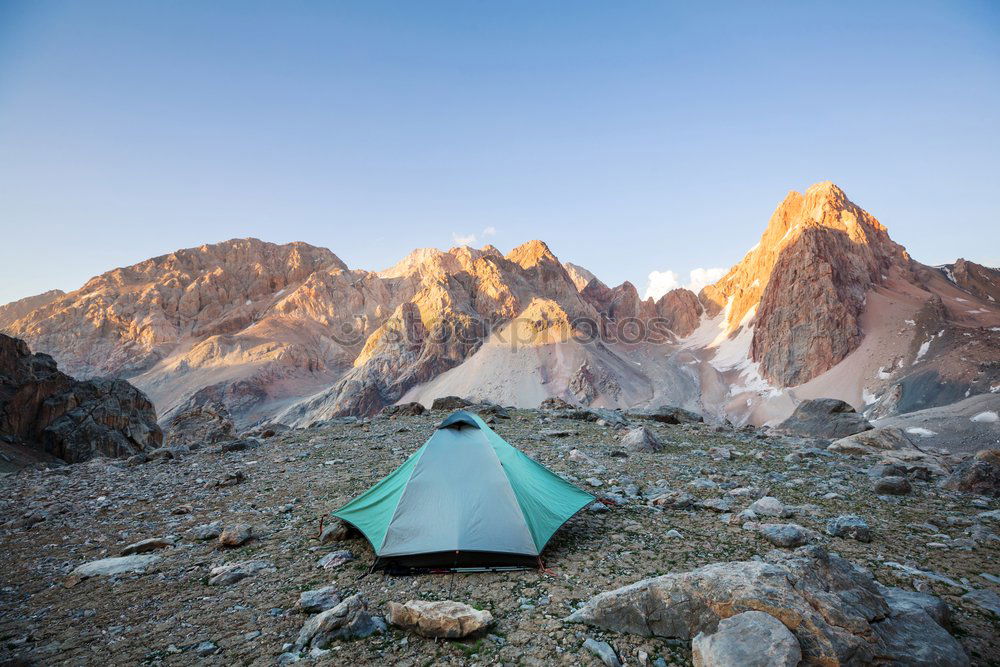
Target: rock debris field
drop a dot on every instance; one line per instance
(216, 555)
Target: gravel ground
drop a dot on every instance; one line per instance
(57, 520)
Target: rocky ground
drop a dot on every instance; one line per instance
(175, 611)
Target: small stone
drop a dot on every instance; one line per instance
(338, 531)
(787, 535)
(335, 559)
(207, 531)
(348, 620)
(230, 479)
(234, 536)
(206, 649)
(769, 506)
(233, 572)
(720, 453)
(849, 526)
(603, 651)
(444, 618)
(720, 505)
(673, 534)
(676, 500)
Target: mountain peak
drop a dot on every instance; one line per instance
(531, 254)
(825, 189)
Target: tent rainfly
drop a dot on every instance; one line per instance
(465, 499)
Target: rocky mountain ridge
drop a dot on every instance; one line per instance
(290, 332)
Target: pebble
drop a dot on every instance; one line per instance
(335, 559)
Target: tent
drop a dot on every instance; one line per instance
(465, 499)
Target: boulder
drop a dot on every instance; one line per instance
(107, 567)
(849, 526)
(667, 414)
(486, 410)
(348, 620)
(238, 445)
(555, 403)
(893, 486)
(871, 442)
(834, 608)
(787, 535)
(825, 418)
(200, 422)
(750, 639)
(901, 600)
(641, 439)
(449, 403)
(444, 618)
(980, 476)
(318, 600)
(911, 637)
(233, 572)
(411, 409)
(985, 599)
(675, 500)
(145, 546)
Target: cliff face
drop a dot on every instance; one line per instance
(45, 409)
(803, 286)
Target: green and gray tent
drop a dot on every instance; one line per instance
(466, 498)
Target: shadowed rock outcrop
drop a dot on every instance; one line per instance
(45, 409)
(825, 418)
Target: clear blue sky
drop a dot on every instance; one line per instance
(631, 136)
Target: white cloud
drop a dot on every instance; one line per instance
(490, 231)
(463, 240)
(704, 277)
(661, 282)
